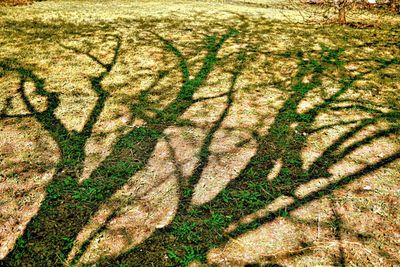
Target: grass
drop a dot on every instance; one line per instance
(195, 133)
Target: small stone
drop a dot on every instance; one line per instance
(124, 119)
(352, 67)
(367, 188)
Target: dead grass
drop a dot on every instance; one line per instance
(317, 189)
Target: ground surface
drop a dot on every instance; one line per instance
(144, 133)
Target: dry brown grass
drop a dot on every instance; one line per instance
(357, 222)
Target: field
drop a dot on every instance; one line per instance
(195, 133)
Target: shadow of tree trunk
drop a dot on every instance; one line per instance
(68, 205)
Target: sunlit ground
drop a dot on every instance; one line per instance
(173, 133)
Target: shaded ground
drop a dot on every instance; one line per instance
(190, 133)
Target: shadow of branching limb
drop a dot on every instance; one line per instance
(197, 229)
(284, 142)
(132, 150)
(49, 235)
(187, 189)
(160, 238)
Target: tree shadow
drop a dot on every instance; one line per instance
(69, 205)
(61, 201)
(250, 191)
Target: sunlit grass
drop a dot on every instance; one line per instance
(258, 149)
